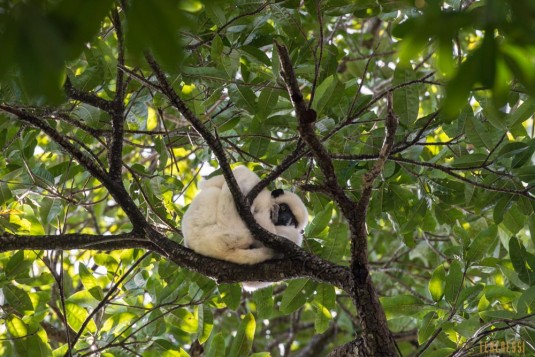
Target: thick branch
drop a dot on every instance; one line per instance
(306, 118)
(222, 271)
(378, 339)
(86, 97)
(243, 207)
(10, 242)
(117, 110)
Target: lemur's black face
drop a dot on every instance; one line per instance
(281, 214)
(285, 216)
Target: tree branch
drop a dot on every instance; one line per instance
(117, 111)
(115, 188)
(221, 271)
(306, 118)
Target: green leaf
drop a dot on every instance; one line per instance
(481, 244)
(454, 281)
(519, 258)
(323, 93)
(17, 266)
(337, 243)
(267, 100)
(17, 298)
(216, 347)
(522, 113)
(526, 302)
(406, 98)
(323, 302)
(187, 321)
(27, 343)
(437, 283)
(230, 294)
(427, 327)
(206, 323)
(401, 305)
(243, 342)
(243, 97)
(481, 135)
(51, 209)
(320, 221)
(155, 26)
(5, 193)
(90, 282)
(296, 294)
(76, 316)
(500, 293)
(264, 302)
(468, 295)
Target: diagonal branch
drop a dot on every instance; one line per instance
(306, 118)
(301, 263)
(242, 205)
(377, 339)
(116, 189)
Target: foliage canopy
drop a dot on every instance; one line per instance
(110, 113)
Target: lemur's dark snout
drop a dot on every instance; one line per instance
(276, 193)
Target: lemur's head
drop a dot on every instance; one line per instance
(288, 209)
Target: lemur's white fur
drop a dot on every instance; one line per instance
(212, 226)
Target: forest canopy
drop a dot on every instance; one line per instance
(407, 128)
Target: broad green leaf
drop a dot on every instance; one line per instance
(264, 302)
(514, 220)
(500, 293)
(267, 100)
(17, 298)
(187, 321)
(27, 342)
(154, 26)
(522, 113)
(16, 327)
(481, 244)
(323, 302)
(427, 327)
(519, 258)
(526, 302)
(206, 323)
(18, 265)
(296, 294)
(454, 281)
(5, 193)
(468, 295)
(230, 294)
(216, 347)
(243, 97)
(401, 305)
(437, 283)
(481, 134)
(51, 209)
(323, 93)
(337, 243)
(243, 341)
(76, 316)
(406, 97)
(320, 221)
(90, 283)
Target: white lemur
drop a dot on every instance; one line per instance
(212, 226)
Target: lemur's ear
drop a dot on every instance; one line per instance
(276, 193)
